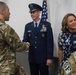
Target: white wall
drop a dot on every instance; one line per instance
(56, 9)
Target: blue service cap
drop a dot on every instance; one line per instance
(34, 7)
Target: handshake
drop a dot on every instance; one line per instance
(27, 45)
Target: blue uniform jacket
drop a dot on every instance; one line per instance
(41, 41)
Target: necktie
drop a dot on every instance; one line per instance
(35, 26)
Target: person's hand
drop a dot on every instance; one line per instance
(48, 62)
(27, 45)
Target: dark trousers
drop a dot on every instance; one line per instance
(38, 69)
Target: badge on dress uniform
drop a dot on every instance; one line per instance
(44, 29)
(29, 35)
(29, 31)
(43, 35)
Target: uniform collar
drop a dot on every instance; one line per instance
(37, 23)
(2, 21)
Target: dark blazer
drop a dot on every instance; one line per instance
(41, 41)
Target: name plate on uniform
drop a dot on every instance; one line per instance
(66, 67)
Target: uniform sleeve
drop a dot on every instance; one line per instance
(50, 41)
(12, 39)
(25, 36)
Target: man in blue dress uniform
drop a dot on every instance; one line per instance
(40, 36)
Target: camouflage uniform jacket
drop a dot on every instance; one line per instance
(9, 44)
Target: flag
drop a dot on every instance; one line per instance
(44, 15)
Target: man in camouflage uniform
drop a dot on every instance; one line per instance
(9, 43)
